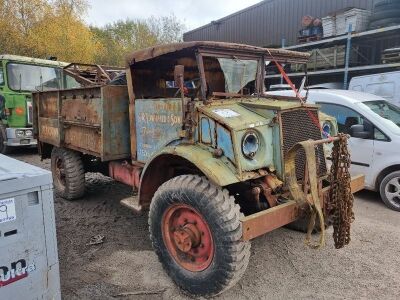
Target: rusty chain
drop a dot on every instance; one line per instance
(341, 199)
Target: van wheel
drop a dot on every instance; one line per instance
(196, 232)
(68, 173)
(4, 149)
(390, 190)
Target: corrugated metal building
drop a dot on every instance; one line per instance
(266, 23)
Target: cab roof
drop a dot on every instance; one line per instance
(31, 60)
(270, 54)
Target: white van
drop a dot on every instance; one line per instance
(374, 144)
(386, 85)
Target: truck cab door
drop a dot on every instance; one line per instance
(361, 149)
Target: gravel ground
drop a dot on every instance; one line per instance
(281, 267)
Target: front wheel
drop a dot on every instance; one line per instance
(390, 190)
(196, 232)
(68, 173)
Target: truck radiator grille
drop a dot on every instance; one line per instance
(297, 126)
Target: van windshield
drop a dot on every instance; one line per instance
(29, 78)
(385, 110)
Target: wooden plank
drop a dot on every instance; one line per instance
(265, 221)
(357, 183)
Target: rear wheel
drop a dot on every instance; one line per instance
(390, 190)
(196, 232)
(4, 149)
(68, 173)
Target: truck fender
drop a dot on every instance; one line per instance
(178, 160)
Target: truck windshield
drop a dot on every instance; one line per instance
(238, 73)
(24, 77)
(385, 110)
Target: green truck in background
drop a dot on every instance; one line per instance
(19, 77)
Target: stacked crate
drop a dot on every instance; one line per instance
(339, 22)
(357, 18)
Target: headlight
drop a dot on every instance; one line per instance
(19, 133)
(326, 128)
(250, 144)
(28, 132)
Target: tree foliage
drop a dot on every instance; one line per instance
(120, 38)
(43, 28)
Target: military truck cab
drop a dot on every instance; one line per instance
(215, 161)
(19, 77)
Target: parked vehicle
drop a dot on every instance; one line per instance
(373, 124)
(19, 77)
(386, 85)
(208, 155)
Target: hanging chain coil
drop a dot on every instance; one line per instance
(340, 197)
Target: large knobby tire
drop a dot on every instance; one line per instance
(4, 149)
(68, 173)
(196, 232)
(390, 190)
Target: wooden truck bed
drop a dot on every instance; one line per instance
(91, 120)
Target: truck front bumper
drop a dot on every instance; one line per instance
(270, 219)
(15, 138)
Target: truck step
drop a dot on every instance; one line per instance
(132, 203)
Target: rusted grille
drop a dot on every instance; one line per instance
(297, 126)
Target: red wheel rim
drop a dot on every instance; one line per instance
(188, 238)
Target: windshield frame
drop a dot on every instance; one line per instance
(55, 67)
(260, 76)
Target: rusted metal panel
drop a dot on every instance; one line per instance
(115, 124)
(86, 139)
(156, 51)
(81, 110)
(125, 173)
(47, 103)
(49, 131)
(158, 122)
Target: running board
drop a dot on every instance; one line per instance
(132, 203)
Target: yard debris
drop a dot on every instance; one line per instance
(96, 240)
(137, 293)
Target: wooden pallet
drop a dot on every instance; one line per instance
(307, 39)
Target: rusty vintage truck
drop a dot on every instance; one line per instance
(204, 149)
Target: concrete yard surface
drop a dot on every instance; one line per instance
(124, 266)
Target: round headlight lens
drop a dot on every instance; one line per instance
(326, 128)
(19, 133)
(28, 132)
(250, 144)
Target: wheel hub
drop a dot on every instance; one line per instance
(188, 238)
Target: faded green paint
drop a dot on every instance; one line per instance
(258, 114)
(220, 171)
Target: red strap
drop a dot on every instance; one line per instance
(293, 87)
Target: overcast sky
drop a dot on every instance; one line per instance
(193, 13)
